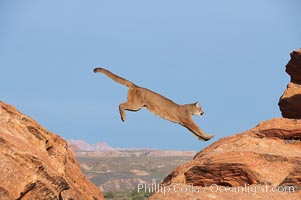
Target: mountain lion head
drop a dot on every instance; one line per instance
(197, 109)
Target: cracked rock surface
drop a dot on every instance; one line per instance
(37, 164)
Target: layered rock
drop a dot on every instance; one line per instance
(37, 164)
(268, 155)
(290, 101)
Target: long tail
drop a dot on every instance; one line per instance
(114, 77)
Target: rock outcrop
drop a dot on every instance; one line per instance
(275, 147)
(293, 68)
(290, 101)
(37, 164)
(267, 156)
(261, 163)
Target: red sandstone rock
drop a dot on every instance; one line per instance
(290, 101)
(37, 164)
(268, 155)
(293, 68)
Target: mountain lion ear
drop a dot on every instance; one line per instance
(197, 103)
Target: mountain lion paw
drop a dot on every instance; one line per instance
(208, 137)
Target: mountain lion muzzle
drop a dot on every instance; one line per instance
(139, 97)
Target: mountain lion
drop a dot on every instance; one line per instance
(139, 97)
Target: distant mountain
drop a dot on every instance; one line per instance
(102, 149)
(81, 145)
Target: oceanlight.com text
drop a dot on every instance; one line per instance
(214, 188)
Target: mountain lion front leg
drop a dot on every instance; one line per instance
(190, 125)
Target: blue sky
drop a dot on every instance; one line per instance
(228, 55)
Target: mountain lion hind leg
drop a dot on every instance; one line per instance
(134, 102)
(190, 125)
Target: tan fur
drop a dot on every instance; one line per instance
(139, 97)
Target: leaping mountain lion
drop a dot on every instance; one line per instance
(139, 97)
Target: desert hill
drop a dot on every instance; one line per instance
(37, 164)
(118, 171)
(261, 163)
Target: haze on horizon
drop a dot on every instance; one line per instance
(228, 55)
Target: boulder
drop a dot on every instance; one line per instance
(290, 101)
(293, 67)
(37, 164)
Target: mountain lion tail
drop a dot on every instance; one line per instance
(114, 77)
